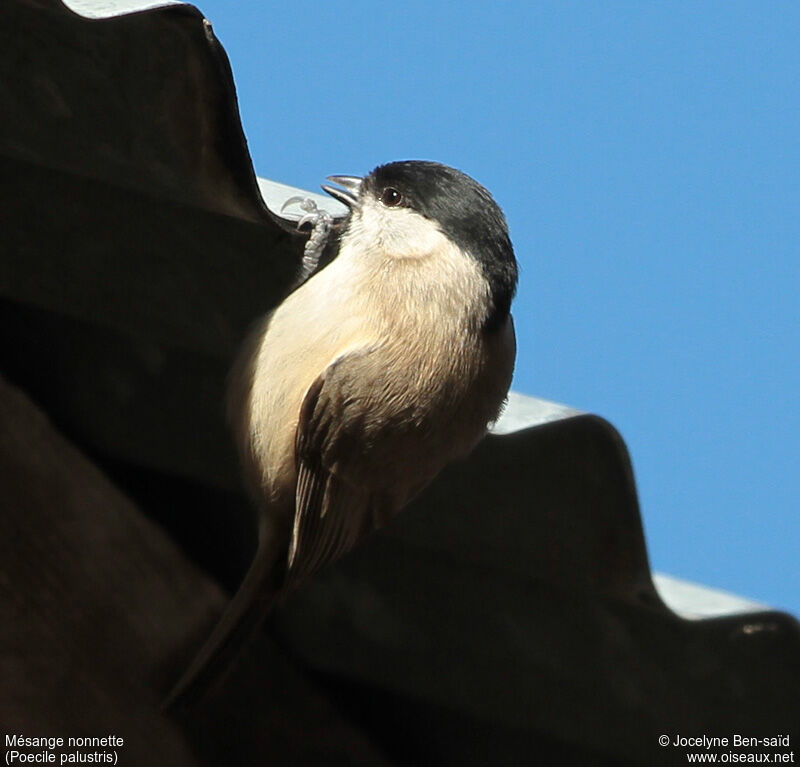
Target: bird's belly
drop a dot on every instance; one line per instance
(297, 343)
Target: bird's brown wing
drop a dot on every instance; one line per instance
(368, 441)
(341, 442)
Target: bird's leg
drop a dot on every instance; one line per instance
(321, 222)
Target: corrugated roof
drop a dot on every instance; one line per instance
(510, 608)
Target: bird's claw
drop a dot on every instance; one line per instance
(309, 218)
(295, 200)
(312, 212)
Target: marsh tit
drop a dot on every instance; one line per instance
(384, 365)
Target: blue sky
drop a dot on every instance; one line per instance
(647, 156)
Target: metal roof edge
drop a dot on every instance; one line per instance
(695, 601)
(104, 9)
(275, 194)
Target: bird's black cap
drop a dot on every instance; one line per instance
(465, 212)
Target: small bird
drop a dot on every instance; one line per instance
(384, 365)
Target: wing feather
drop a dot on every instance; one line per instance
(329, 512)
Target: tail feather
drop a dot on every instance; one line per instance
(240, 622)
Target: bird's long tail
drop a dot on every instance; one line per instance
(241, 620)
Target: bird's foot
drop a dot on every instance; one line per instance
(312, 213)
(321, 222)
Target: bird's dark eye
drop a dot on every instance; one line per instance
(390, 197)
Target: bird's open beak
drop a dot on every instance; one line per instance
(349, 195)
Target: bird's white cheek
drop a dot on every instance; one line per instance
(398, 232)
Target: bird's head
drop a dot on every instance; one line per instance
(409, 206)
